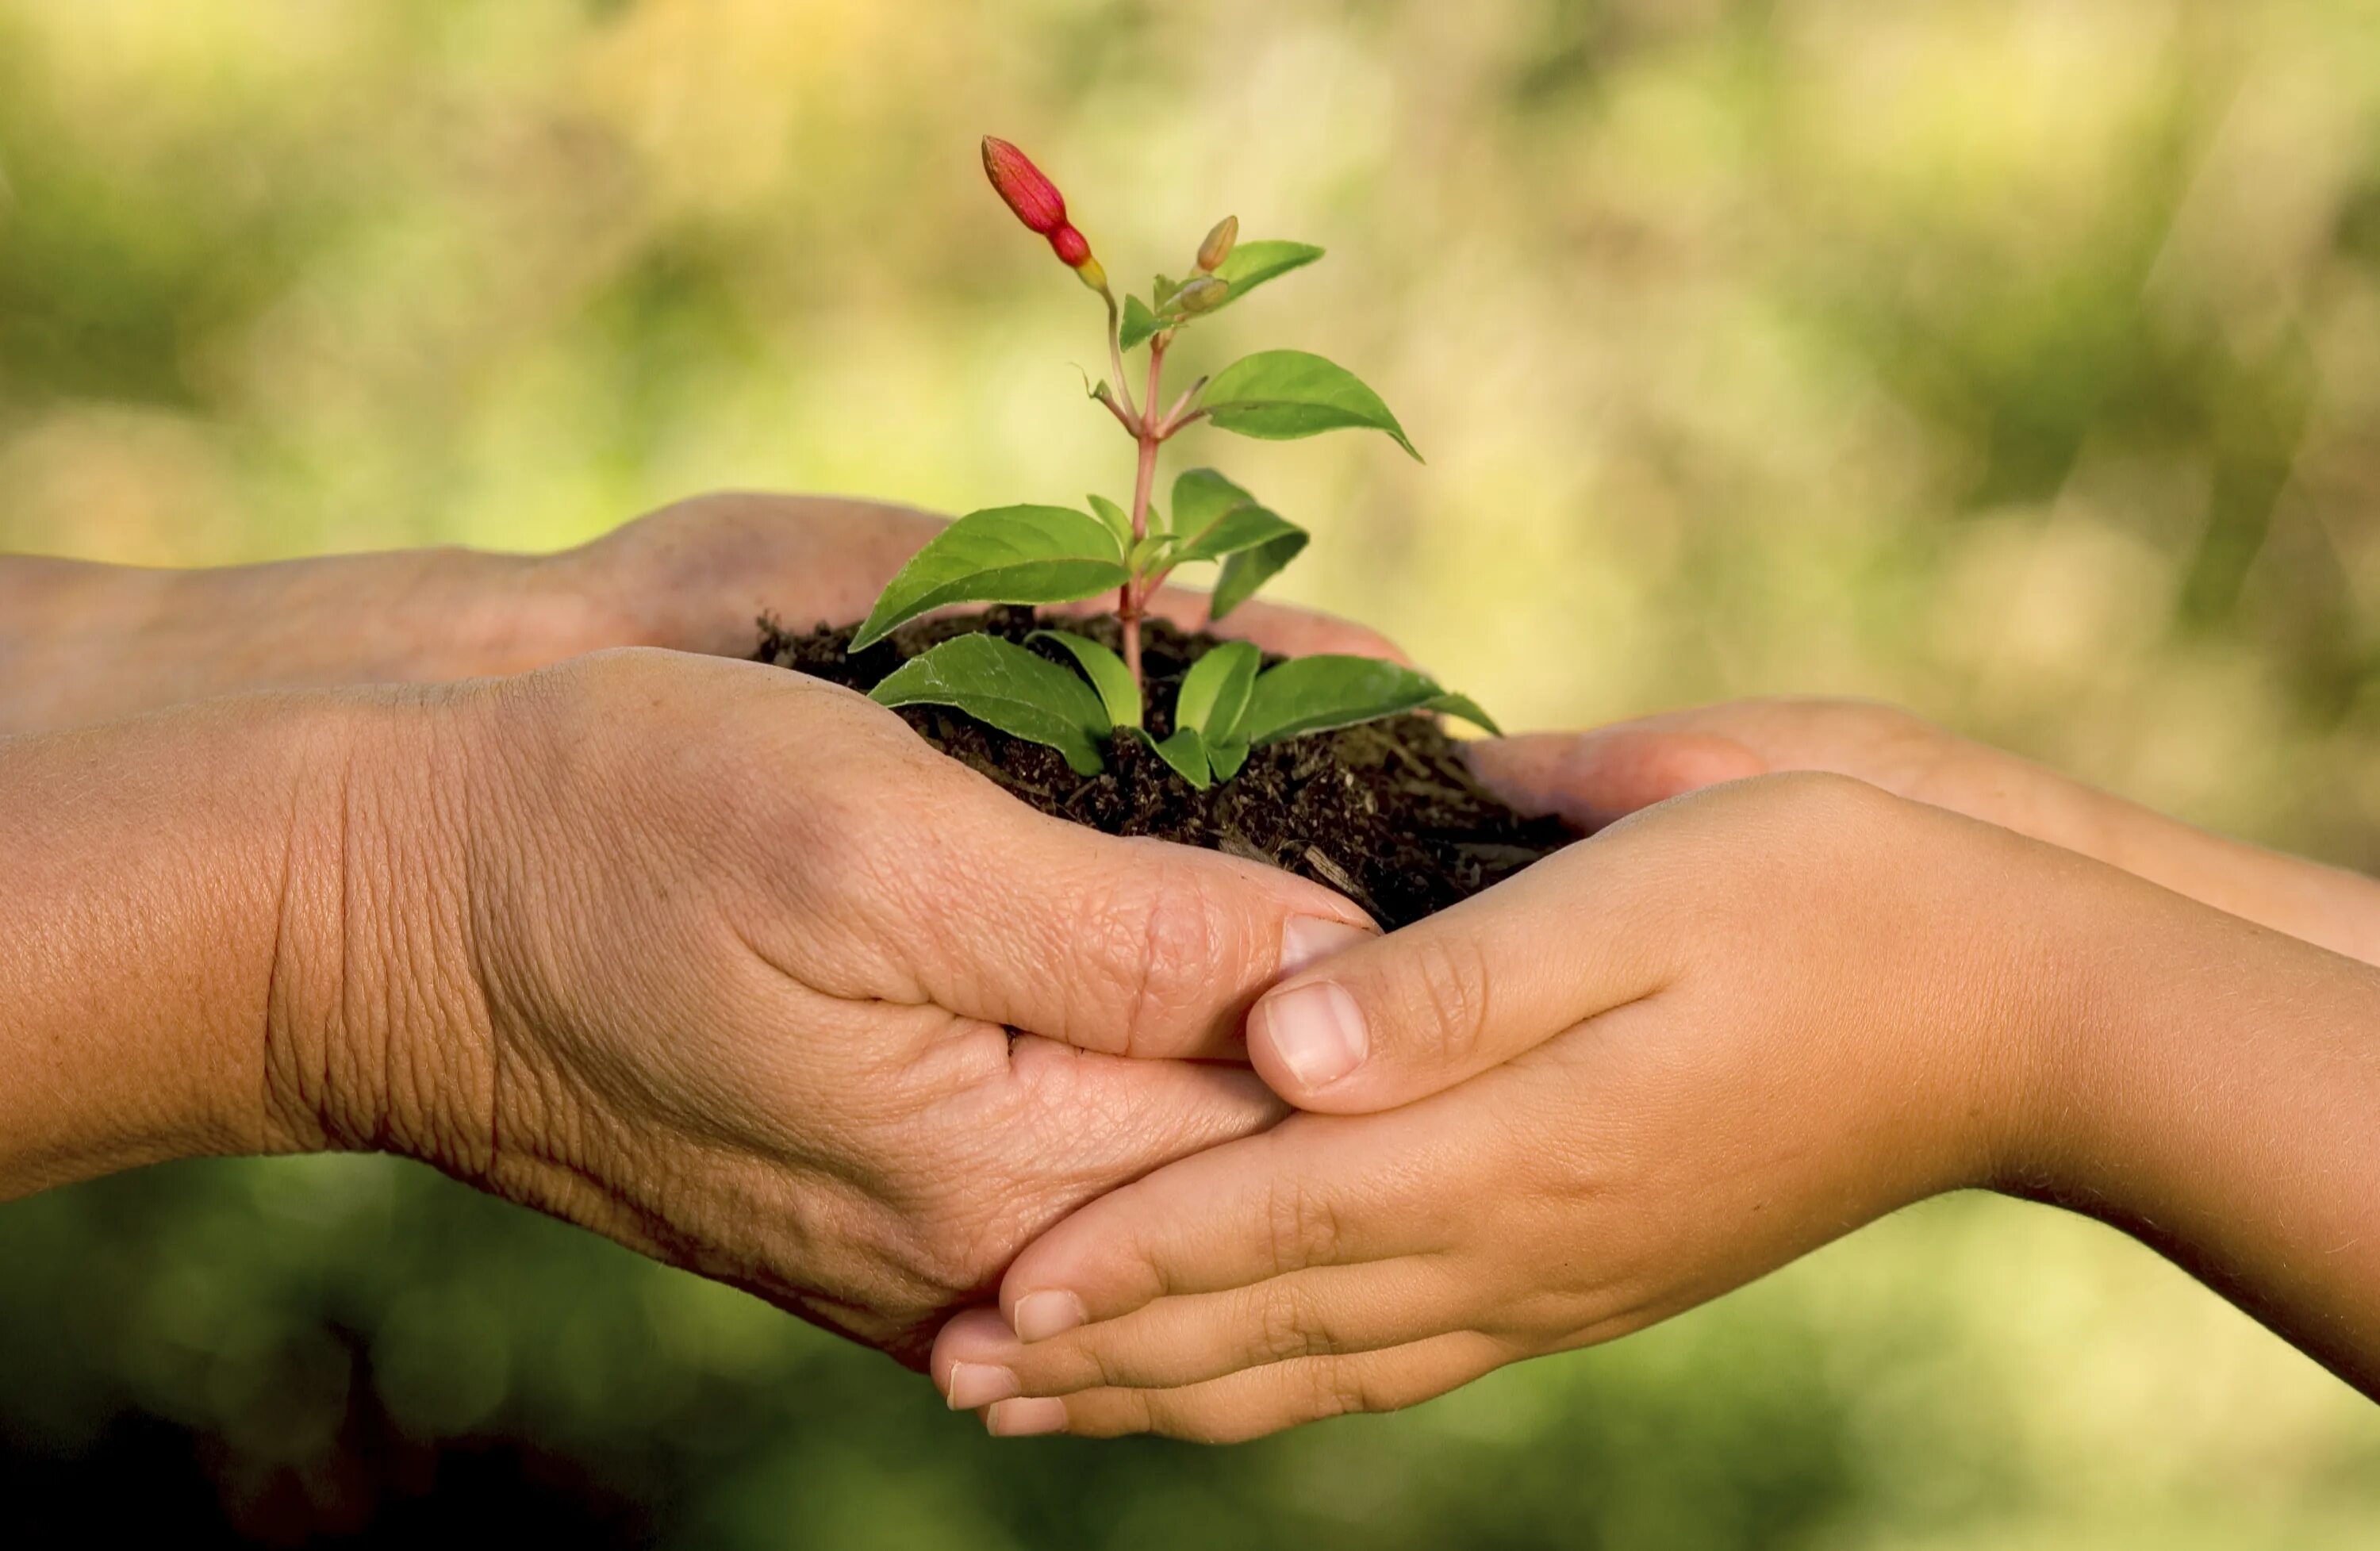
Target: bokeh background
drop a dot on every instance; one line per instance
(2015, 359)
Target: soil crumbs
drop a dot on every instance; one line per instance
(1387, 813)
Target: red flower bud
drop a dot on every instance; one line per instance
(1038, 204)
(1034, 198)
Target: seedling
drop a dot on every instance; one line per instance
(1057, 554)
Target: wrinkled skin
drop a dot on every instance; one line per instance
(724, 962)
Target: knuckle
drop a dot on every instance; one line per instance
(1449, 976)
(1337, 1387)
(1303, 1225)
(1288, 1325)
(1164, 932)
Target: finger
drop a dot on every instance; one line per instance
(1593, 778)
(1316, 1191)
(1131, 946)
(1398, 1018)
(1260, 1401)
(1326, 1311)
(1291, 632)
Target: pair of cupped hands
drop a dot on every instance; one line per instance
(1113, 1136)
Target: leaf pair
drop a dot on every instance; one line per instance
(1224, 708)
(1247, 266)
(1055, 554)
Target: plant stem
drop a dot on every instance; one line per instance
(1129, 604)
(1131, 414)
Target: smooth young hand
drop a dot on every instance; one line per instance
(1593, 778)
(1674, 1058)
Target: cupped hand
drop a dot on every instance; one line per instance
(695, 576)
(82, 644)
(1592, 778)
(1644, 1071)
(726, 964)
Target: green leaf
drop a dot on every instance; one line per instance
(1107, 672)
(1317, 694)
(1250, 569)
(1200, 495)
(1007, 554)
(1280, 396)
(1250, 264)
(1215, 691)
(1020, 691)
(1225, 759)
(1139, 322)
(1149, 553)
(1118, 521)
(1242, 527)
(1186, 753)
(1467, 709)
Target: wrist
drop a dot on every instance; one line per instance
(377, 1034)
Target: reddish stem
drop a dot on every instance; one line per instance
(1132, 601)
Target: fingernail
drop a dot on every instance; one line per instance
(1040, 1315)
(975, 1385)
(1308, 938)
(1026, 1419)
(1317, 1032)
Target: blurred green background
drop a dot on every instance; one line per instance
(2016, 361)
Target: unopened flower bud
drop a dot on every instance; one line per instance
(1203, 294)
(1218, 245)
(1038, 204)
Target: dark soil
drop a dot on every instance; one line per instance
(1386, 813)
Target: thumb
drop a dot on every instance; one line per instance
(1410, 1014)
(1592, 779)
(1132, 947)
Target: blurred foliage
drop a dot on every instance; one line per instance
(2015, 359)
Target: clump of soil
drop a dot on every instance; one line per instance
(1387, 813)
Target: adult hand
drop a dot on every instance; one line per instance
(82, 643)
(716, 959)
(1593, 778)
(1675, 1057)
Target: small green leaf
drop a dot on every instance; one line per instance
(1250, 264)
(1139, 322)
(1107, 672)
(1250, 569)
(1200, 495)
(1467, 709)
(1186, 753)
(1317, 694)
(1020, 691)
(1280, 396)
(1242, 527)
(1118, 521)
(1149, 553)
(1007, 554)
(1215, 691)
(1161, 292)
(1226, 758)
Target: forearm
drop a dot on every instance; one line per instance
(82, 643)
(2217, 1095)
(207, 934)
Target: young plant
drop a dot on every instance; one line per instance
(1057, 554)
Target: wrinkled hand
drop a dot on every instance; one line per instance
(726, 964)
(1644, 1071)
(695, 576)
(82, 643)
